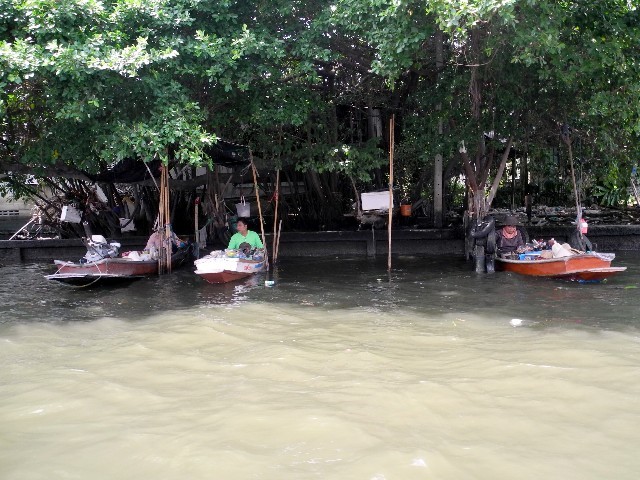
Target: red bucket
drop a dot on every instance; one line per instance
(405, 210)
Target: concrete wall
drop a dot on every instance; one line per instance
(359, 243)
(15, 251)
(13, 215)
(605, 238)
(370, 243)
(348, 243)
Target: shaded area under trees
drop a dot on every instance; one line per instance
(309, 87)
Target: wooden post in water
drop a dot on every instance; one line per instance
(196, 237)
(278, 241)
(255, 184)
(438, 198)
(164, 223)
(274, 251)
(437, 191)
(391, 141)
(160, 225)
(566, 137)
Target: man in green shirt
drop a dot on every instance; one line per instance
(244, 235)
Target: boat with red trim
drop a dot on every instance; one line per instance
(103, 264)
(581, 267)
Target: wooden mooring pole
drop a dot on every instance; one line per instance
(391, 142)
(255, 184)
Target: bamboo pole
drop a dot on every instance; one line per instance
(255, 184)
(195, 223)
(165, 223)
(167, 220)
(163, 244)
(160, 225)
(164, 226)
(278, 242)
(575, 188)
(566, 138)
(22, 228)
(391, 147)
(274, 253)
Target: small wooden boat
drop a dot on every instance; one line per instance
(92, 269)
(107, 270)
(222, 266)
(582, 267)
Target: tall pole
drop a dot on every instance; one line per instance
(164, 226)
(566, 138)
(195, 223)
(167, 219)
(391, 142)
(158, 226)
(438, 201)
(278, 241)
(255, 184)
(274, 251)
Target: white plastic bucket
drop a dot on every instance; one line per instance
(243, 208)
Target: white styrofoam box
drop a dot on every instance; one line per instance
(375, 201)
(70, 214)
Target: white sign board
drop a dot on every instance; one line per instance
(375, 201)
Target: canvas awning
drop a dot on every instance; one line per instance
(131, 170)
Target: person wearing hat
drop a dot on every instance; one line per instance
(509, 238)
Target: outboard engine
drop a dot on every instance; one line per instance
(98, 248)
(484, 236)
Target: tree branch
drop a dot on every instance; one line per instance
(58, 170)
(468, 170)
(499, 173)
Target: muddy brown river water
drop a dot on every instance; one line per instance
(339, 371)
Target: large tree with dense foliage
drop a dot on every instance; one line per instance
(86, 83)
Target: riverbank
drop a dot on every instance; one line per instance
(369, 243)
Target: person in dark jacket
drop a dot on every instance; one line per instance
(509, 238)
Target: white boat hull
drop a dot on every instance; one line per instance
(216, 268)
